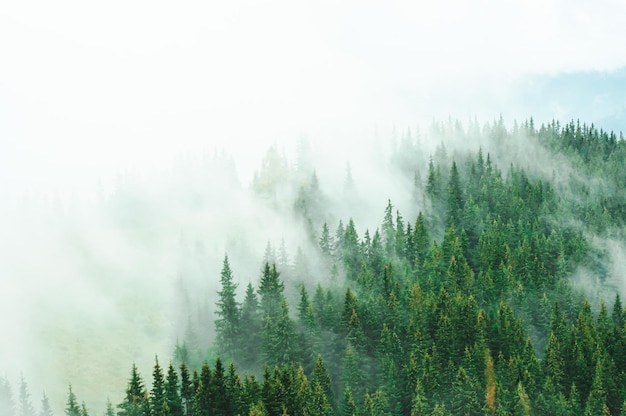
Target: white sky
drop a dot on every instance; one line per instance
(87, 88)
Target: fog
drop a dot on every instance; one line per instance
(130, 134)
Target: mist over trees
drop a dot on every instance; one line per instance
(479, 276)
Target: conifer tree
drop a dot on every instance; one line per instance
(227, 325)
(271, 291)
(419, 404)
(174, 401)
(353, 376)
(375, 405)
(320, 377)
(490, 377)
(279, 336)
(158, 400)
(351, 251)
(320, 404)
(348, 406)
(596, 402)
(72, 408)
(135, 401)
(326, 242)
(110, 411)
(235, 391)
(338, 246)
(220, 399)
(203, 394)
(389, 231)
(46, 410)
(25, 406)
(455, 197)
(186, 390)
(251, 323)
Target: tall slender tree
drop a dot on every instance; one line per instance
(228, 312)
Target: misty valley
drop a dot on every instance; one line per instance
(463, 269)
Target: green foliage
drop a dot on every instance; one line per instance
(72, 408)
(228, 312)
(467, 308)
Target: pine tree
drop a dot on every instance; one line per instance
(251, 323)
(490, 377)
(221, 401)
(279, 336)
(25, 407)
(338, 246)
(375, 405)
(326, 241)
(174, 401)
(235, 391)
(455, 197)
(186, 390)
(46, 410)
(596, 402)
(419, 404)
(465, 399)
(320, 404)
(158, 399)
(348, 406)
(389, 231)
(203, 395)
(353, 376)
(135, 402)
(271, 291)
(72, 408)
(110, 411)
(351, 251)
(227, 325)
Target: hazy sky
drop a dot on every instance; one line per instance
(87, 88)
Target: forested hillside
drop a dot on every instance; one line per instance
(497, 293)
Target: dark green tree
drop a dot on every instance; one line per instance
(251, 323)
(72, 408)
(136, 400)
(186, 390)
(172, 395)
(228, 312)
(158, 400)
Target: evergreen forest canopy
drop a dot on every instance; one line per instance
(496, 295)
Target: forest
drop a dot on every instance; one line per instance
(495, 293)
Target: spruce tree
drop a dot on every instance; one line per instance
(348, 406)
(389, 231)
(271, 291)
(174, 401)
(46, 410)
(72, 407)
(158, 400)
(251, 323)
(25, 406)
(186, 390)
(228, 312)
(326, 242)
(110, 411)
(135, 402)
(320, 377)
